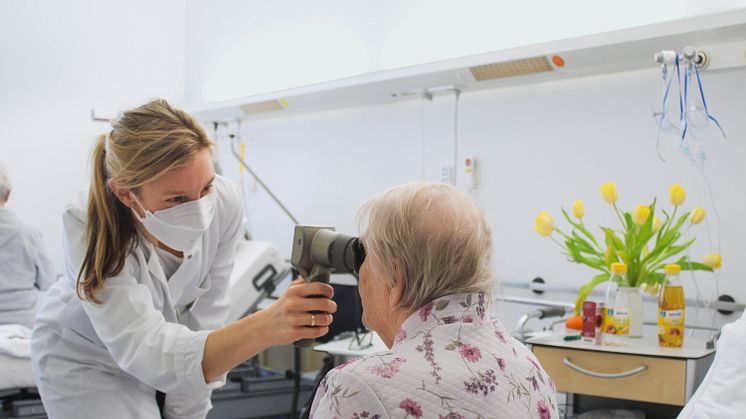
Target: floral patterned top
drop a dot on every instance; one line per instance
(448, 360)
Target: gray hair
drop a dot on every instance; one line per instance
(435, 235)
(4, 183)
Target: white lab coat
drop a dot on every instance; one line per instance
(722, 393)
(26, 269)
(108, 360)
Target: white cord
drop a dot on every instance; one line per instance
(422, 133)
(457, 92)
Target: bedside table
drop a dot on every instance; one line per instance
(640, 371)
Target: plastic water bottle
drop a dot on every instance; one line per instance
(616, 318)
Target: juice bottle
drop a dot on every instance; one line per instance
(616, 306)
(671, 309)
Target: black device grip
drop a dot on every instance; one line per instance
(317, 275)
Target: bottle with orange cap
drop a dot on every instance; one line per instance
(615, 328)
(671, 309)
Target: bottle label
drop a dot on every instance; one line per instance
(616, 321)
(621, 320)
(671, 322)
(672, 317)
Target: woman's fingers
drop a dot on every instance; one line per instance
(313, 304)
(304, 311)
(312, 288)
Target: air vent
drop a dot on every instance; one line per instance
(262, 107)
(511, 68)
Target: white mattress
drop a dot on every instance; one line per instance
(15, 357)
(16, 373)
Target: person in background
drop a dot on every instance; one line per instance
(425, 286)
(25, 268)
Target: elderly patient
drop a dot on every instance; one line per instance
(425, 286)
(24, 266)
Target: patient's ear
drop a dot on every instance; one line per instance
(397, 290)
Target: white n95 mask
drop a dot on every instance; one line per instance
(180, 227)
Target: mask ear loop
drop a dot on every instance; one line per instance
(704, 103)
(142, 207)
(686, 148)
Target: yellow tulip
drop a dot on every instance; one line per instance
(656, 224)
(641, 214)
(578, 209)
(609, 192)
(676, 194)
(544, 224)
(698, 214)
(713, 260)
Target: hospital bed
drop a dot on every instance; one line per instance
(18, 395)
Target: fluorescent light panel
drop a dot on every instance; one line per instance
(262, 107)
(511, 68)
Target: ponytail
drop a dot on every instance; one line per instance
(110, 230)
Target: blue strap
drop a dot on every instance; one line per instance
(678, 82)
(704, 102)
(685, 99)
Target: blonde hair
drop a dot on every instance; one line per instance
(145, 143)
(435, 235)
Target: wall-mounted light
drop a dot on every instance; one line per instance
(512, 68)
(266, 106)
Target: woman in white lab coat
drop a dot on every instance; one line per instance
(143, 302)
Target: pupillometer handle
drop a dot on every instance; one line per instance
(318, 274)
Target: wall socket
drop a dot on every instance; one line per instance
(446, 173)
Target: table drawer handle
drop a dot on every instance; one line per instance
(582, 370)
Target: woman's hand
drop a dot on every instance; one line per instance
(303, 311)
(296, 315)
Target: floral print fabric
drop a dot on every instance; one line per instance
(448, 360)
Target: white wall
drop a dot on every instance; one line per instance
(60, 60)
(539, 147)
(240, 48)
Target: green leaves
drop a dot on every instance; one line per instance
(453, 345)
(582, 229)
(643, 250)
(586, 290)
(686, 265)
